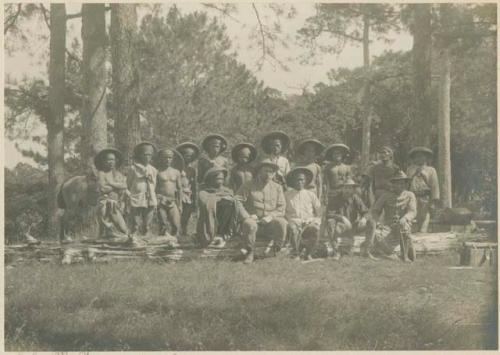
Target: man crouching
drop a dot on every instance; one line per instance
(303, 212)
(262, 209)
(400, 209)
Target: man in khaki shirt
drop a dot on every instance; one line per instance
(263, 209)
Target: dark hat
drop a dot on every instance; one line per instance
(191, 145)
(338, 146)
(282, 136)
(214, 170)
(177, 163)
(349, 182)
(240, 146)
(291, 175)
(399, 175)
(216, 136)
(318, 146)
(266, 162)
(141, 144)
(99, 157)
(424, 150)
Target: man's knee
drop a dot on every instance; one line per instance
(279, 222)
(248, 226)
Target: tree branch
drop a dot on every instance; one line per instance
(71, 16)
(45, 15)
(223, 11)
(261, 32)
(13, 21)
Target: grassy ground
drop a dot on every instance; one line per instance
(273, 304)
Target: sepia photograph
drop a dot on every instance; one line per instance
(250, 176)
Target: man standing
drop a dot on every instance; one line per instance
(336, 171)
(262, 210)
(377, 177)
(308, 152)
(275, 146)
(190, 152)
(424, 184)
(303, 212)
(400, 209)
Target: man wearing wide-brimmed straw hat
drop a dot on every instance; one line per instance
(377, 177)
(346, 217)
(336, 171)
(190, 153)
(112, 190)
(213, 146)
(400, 209)
(169, 163)
(263, 210)
(308, 151)
(141, 182)
(243, 155)
(275, 145)
(303, 212)
(424, 184)
(217, 209)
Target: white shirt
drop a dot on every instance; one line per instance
(302, 206)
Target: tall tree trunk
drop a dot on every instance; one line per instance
(444, 160)
(55, 121)
(125, 78)
(94, 118)
(367, 111)
(421, 125)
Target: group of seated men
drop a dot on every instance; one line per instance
(263, 194)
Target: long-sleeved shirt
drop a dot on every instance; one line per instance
(262, 199)
(302, 206)
(424, 180)
(141, 182)
(205, 163)
(402, 205)
(317, 181)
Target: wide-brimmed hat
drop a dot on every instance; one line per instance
(386, 148)
(98, 159)
(240, 146)
(318, 146)
(423, 150)
(299, 170)
(349, 182)
(141, 144)
(191, 145)
(282, 136)
(266, 162)
(399, 175)
(338, 146)
(214, 170)
(177, 162)
(216, 136)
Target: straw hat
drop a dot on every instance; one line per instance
(98, 159)
(299, 170)
(282, 136)
(204, 143)
(240, 146)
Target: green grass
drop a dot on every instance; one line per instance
(354, 304)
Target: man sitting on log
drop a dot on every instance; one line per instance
(400, 209)
(217, 209)
(112, 189)
(424, 184)
(263, 210)
(303, 212)
(346, 217)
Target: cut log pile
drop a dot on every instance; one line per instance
(164, 249)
